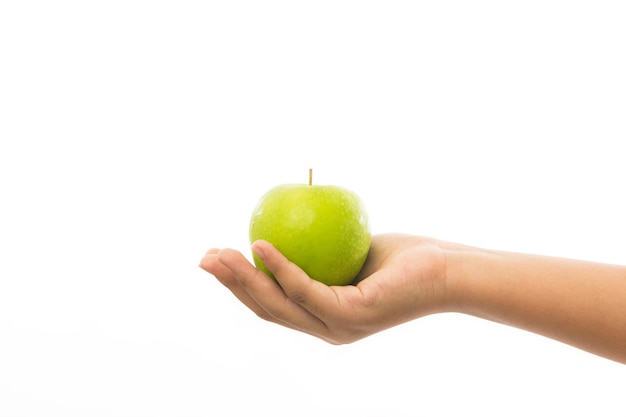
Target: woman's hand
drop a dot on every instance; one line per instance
(404, 277)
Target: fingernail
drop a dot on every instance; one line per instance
(258, 252)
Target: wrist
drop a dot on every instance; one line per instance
(462, 268)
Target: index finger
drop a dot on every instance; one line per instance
(317, 298)
(271, 297)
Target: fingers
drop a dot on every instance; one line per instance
(258, 292)
(212, 265)
(315, 297)
(276, 304)
(299, 302)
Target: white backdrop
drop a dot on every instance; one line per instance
(136, 135)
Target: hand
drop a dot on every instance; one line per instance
(404, 277)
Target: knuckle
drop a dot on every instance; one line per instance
(264, 315)
(275, 314)
(297, 296)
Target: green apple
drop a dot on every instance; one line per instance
(324, 229)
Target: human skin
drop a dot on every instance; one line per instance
(405, 277)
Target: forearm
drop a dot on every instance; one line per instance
(580, 303)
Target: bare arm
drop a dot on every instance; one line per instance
(579, 303)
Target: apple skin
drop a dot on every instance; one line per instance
(324, 229)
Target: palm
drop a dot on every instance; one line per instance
(400, 281)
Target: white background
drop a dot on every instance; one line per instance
(136, 135)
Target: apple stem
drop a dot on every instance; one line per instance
(310, 176)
